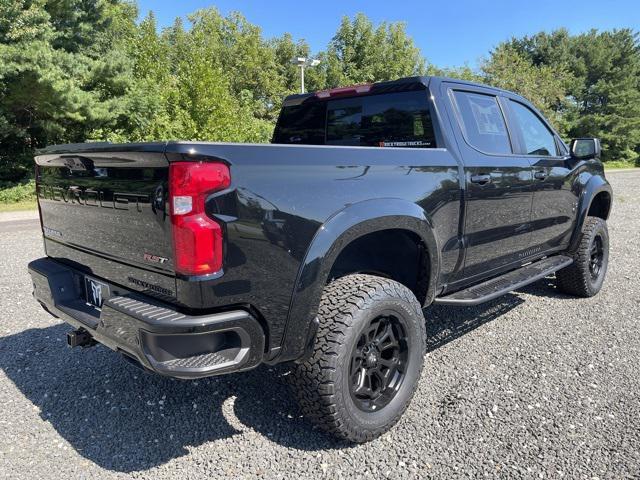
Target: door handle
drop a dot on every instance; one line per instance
(540, 175)
(481, 179)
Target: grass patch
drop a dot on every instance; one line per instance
(617, 164)
(15, 197)
(18, 206)
(20, 192)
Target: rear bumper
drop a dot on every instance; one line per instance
(160, 339)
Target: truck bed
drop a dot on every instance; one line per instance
(104, 211)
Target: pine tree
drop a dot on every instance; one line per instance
(61, 75)
(603, 85)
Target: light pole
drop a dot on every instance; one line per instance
(303, 62)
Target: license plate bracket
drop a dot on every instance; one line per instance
(96, 292)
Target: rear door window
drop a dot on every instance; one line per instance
(482, 122)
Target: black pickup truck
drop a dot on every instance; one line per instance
(194, 259)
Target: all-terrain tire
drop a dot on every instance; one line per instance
(579, 278)
(323, 383)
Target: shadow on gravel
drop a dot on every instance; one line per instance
(126, 420)
(545, 288)
(446, 323)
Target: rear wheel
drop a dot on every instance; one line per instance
(367, 358)
(585, 276)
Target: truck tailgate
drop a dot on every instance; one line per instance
(107, 202)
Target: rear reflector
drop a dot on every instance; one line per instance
(197, 239)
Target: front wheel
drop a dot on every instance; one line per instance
(367, 358)
(585, 276)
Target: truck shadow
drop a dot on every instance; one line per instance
(126, 420)
(446, 323)
(545, 288)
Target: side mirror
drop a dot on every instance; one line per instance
(585, 148)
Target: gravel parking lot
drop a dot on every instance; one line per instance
(532, 385)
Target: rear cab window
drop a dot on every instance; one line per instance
(399, 119)
(301, 124)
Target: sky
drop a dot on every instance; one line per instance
(449, 33)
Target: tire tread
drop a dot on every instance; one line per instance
(315, 379)
(574, 279)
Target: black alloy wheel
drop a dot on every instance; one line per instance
(366, 360)
(378, 363)
(585, 276)
(596, 257)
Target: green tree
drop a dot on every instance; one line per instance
(188, 81)
(286, 49)
(242, 53)
(76, 70)
(463, 73)
(210, 107)
(607, 100)
(61, 74)
(543, 85)
(360, 53)
(152, 97)
(603, 87)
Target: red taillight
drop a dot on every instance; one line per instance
(197, 239)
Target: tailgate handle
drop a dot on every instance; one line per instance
(540, 175)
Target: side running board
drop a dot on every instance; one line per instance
(498, 286)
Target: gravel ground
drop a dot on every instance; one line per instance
(532, 385)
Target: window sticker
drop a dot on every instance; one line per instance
(412, 143)
(488, 118)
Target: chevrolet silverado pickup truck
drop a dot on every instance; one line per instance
(322, 249)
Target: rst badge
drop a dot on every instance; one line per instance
(148, 257)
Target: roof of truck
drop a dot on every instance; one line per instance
(405, 83)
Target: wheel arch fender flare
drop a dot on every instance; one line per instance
(594, 185)
(342, 228)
